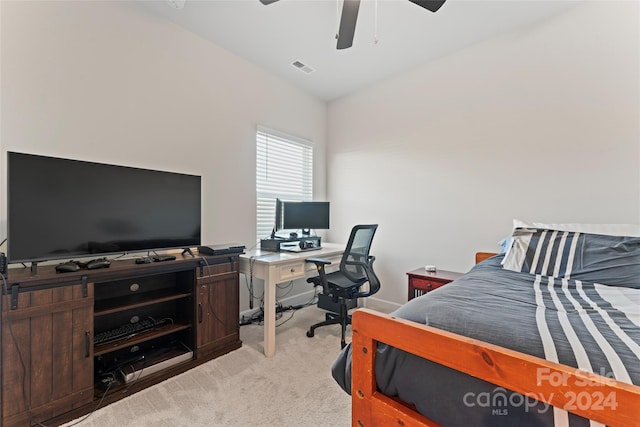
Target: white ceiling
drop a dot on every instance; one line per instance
(274, 36)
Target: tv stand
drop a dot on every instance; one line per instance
(34, 268)
(188, 251)
(49, 322)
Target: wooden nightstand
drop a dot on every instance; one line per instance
(422, 281)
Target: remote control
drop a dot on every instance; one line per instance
(160, 258)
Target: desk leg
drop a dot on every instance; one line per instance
(269, 317)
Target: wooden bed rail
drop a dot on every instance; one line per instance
(481, 256)
(553, 383)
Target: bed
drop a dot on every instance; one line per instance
(547, 334)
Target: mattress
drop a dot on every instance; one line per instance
(590, 326)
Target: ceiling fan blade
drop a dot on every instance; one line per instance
(348, 23)
(432, 5)
(267, 2)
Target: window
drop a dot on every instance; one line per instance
(284, 169)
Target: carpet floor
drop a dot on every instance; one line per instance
(245, 388)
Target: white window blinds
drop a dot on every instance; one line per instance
(284, 169)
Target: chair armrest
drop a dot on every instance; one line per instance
(321, 278)
(319, 261)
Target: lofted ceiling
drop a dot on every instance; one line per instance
(391, 36)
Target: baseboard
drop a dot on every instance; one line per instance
(379, 304)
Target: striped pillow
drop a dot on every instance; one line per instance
(610, 260)
(544, 252)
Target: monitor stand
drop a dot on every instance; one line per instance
(34, 268)
(273, 235)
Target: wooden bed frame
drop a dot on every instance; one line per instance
(506, 368)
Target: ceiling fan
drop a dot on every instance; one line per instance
(349, 16)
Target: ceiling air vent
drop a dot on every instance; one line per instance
(302, 67)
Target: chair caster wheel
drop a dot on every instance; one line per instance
(310, 333)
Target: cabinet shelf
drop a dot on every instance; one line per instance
(115, 305)
(160, 331)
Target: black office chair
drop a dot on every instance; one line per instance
(356, 269)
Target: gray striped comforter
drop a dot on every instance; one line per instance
(589, 326)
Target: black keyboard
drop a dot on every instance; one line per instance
(125, 331)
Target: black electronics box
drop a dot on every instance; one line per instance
(277, 245)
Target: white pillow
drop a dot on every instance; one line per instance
(631, 230)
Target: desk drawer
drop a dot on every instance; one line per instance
(291, 271)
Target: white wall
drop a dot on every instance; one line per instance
(542, 124)
(108, 82)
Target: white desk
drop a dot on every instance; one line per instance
(279, 267)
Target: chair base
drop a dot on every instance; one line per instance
(342, 319)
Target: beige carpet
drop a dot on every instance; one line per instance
(244, 388)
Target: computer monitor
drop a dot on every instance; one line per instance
(302, 216)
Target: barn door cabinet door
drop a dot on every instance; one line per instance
(47, 352)
(217, 307)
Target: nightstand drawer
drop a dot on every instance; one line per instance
(422, 281)
(427, 284)
(419, 287)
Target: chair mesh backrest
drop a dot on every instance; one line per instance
(357, 249)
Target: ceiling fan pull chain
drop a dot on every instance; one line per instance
(337, 19)
(375, 22)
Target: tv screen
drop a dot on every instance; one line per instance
(61, 209)
(304, 215)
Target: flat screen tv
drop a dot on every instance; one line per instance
(302, 215)
(63, 209)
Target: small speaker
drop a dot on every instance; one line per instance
(307, 244)
(3, 265)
